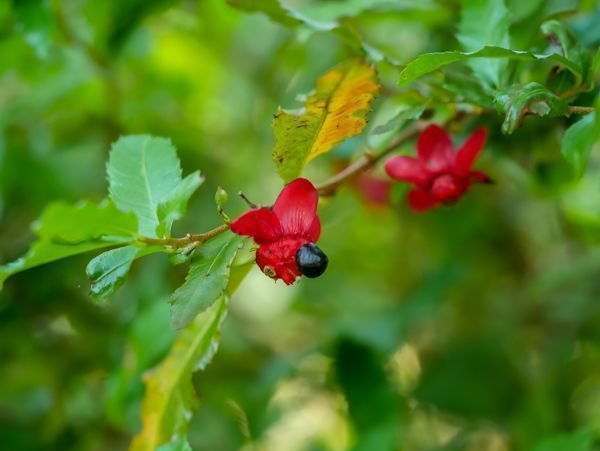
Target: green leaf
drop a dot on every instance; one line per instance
(108, 270)
(272, 8)
(143, 173)
(35, 21)
(579, 140)
(398, 121)
(429, 62)
(575, 441)
(485, 23)
(175, 206)
(532, 98)
(180, 445)
(64, 230)
(207, 278)
(169, 397)
(335, 111)
(366, 388)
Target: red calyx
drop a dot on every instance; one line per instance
(282, 229)
(439, 174)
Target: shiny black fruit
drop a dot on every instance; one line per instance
(311, 260)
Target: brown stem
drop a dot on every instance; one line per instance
(188, 239)
(368, 160)
(581, 109)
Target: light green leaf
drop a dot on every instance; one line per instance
(272, 8)
(207, 278)
(180, 445)
(579, 140)
(532, 98)
(398, 121)
(575, 441)
(175, 206)
(108, 270)
(335, 111)
(64, 230)
(429, 62)
(143, 172)
(169, 398)
(485, 23)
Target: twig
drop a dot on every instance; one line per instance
(581, 109)
(186, 240)
(368, 160)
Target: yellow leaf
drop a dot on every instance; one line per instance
(336, 110)
(169, 399)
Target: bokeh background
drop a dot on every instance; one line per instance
(473, 327)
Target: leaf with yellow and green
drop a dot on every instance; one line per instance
(170, 399)
(336, 110)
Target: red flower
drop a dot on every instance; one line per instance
(286, 233)
(440, 174)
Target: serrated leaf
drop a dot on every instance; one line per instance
(169, 398)
(579, 140)
(65, 230)
(108, 270)
(532, 98)
(430, 62)
(143, 173)
(485, 23)
(335, 111)
(207, 278)
(175, 205)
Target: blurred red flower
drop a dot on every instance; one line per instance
(286, 233)
(439, 175)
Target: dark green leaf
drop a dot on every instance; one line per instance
(144, 173)
(429, 62)
(365, 385)
(485, 23)
(533, 98)
(206, 280)
(108, 270)
(578, 141)
(64, 230)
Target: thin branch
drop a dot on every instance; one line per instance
(581, 109)
(190, 238)
(368, 160)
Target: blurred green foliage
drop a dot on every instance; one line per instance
(473, 327)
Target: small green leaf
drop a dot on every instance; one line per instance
(206, 280)
(575, 441)
(64, 230)
(108, 270)
(485, 23)
(175, 205)
(578, 141)
(143, 172)
(169, 398)
(430, 62)
(532, 98)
